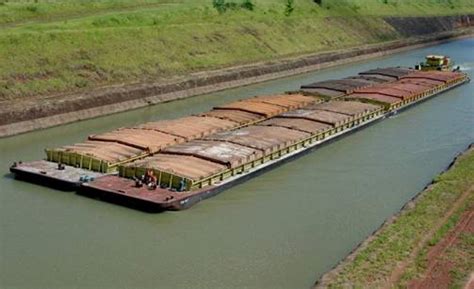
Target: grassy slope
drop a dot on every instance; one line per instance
(374, 264)
(60, 46)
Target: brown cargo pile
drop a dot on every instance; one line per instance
(323, 92)
(375, 97)
(200, 159)
(190, 127)
(422, 81)
(288, 101)
(241, 117)
(327, 117)
(180, 165)
(371, 79)
(194, 152)
(334, 88)
(391, 73)
(265, 138)
(255, 109)
(304, 125)
(340, 87)
(151, 141)
(385, 90)
(109, 152)
(220, 152)
(410, 87)
(152, 137)
(268, 106)
(226, 153)
(407, 86)
(443, 76)
(352, 108)
(261, 108)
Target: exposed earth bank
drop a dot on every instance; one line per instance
(42, 111)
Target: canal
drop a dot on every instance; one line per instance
(280, 230)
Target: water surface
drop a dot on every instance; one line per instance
(280, 230)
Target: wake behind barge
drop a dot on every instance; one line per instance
(173, 164)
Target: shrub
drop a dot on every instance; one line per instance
(248, 4)
(32, 8)
(221, 6)
(355, 7)
(289, 7)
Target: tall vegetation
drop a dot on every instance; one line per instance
(289, 7)
(222, 6)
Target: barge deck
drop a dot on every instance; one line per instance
(63, 177)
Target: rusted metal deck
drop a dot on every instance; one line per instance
(125, 192)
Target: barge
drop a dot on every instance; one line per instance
(173, 164)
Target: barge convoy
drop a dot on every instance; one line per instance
(173, 164)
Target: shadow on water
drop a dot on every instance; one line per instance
(10, 176)
(122, 201)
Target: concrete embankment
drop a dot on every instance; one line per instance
(36, 113)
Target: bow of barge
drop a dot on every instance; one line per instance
(58, 176)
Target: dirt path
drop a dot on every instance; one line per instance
(437, 275)
(402, 266)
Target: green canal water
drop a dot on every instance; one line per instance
(280, 230)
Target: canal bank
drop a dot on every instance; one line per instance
(262, 234)
(23, 115)
(402, 242)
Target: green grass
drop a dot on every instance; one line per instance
(374, 264)
(50, 47)
(463, 256)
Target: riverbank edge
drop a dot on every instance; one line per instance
(68, 108)
(326, 278)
